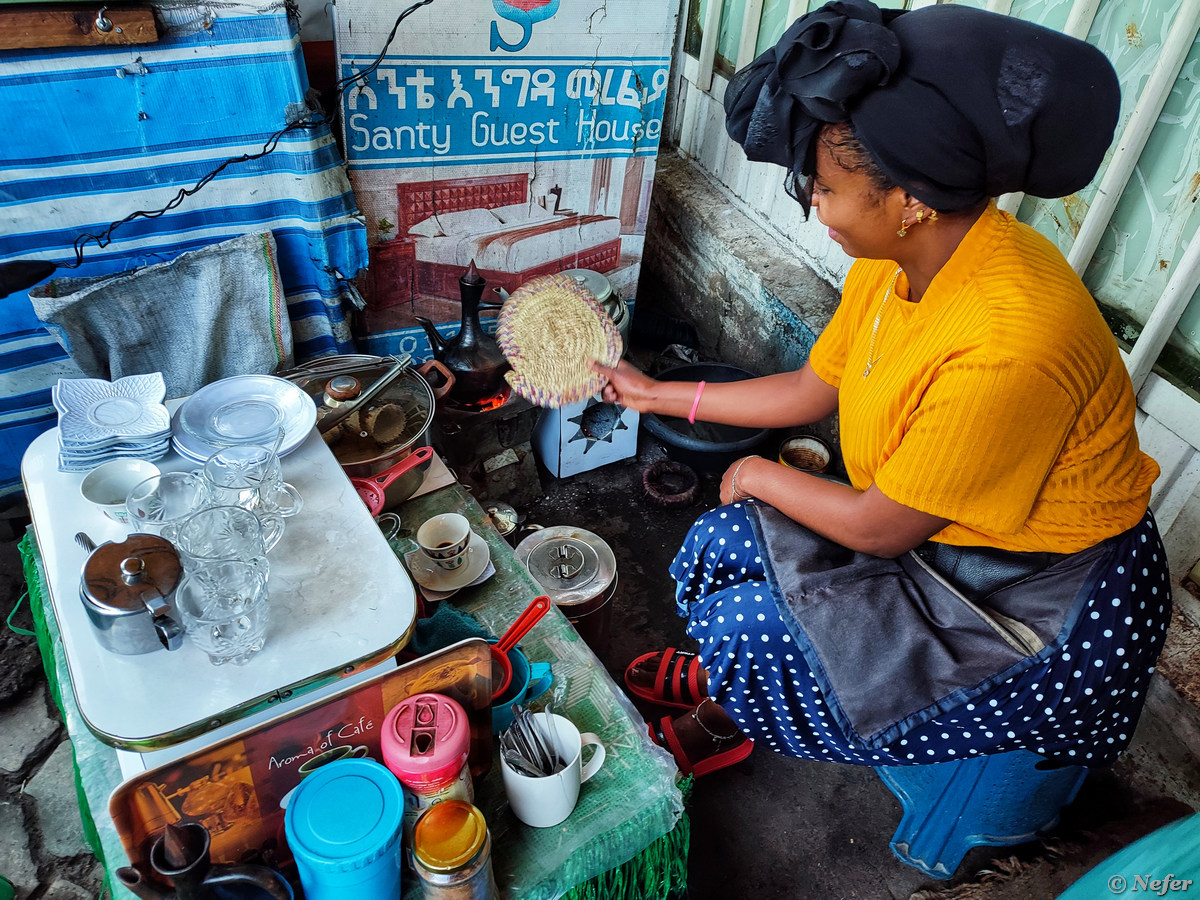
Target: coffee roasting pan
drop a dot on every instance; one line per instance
(373, 411)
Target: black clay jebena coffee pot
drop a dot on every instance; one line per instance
(473, 356)
(181, 856)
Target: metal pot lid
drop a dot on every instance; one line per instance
(504, 517)
(600, 287)
(571, 565)
(386, 424)
(135, 574)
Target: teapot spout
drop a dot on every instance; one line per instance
(133, 879)
(437, 343)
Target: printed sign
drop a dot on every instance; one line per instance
(519, 135)
(478, 111)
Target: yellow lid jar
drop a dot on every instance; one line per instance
(452, 853)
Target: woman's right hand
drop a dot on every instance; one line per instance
(628, 387)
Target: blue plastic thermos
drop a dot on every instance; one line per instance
(344, 825)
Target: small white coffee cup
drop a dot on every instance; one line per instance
(545, 801)
(445, 538)
(108, 485)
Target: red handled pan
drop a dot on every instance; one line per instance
(372, 489)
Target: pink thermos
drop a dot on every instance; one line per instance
(425, 742)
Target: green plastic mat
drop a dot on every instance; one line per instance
(97, 771)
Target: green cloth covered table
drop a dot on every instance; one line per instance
(628, 836)
(630, 803)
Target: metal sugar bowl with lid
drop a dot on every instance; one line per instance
(128, 591)
(578, 571)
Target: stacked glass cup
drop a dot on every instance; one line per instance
(223, 518)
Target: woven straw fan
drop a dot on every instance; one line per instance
(550, 329)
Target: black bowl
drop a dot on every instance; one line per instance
(704, 446)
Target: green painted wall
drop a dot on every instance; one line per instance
(1157, 214)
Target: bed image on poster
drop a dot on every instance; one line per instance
(518, 135)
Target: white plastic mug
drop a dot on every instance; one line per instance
(547, 800)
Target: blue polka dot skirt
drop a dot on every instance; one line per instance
(1079, 706)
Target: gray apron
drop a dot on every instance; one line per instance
(895, 642)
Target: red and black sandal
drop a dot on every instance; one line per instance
(680, 681)
(728, 750)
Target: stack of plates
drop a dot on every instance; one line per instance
(242, 409)
(100, 420)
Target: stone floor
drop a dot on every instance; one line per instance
(42, 849)
(768, 828)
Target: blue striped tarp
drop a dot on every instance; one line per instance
(93, 134)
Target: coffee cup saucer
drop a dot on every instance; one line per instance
(430, 575)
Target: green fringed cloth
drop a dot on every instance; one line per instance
(656, 873)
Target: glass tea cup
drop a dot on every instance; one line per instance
(250, 476)
(160, 503)
(225, 610)
(222, 533)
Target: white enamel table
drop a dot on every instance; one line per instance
(341, 603)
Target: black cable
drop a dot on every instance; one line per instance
(343, 83)
(104, 238)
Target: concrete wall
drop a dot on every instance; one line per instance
(752, 301)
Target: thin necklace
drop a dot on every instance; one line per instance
(871, 360)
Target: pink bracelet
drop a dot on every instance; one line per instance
(696, 403)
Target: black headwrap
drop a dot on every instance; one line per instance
(977, 104)
(824, 61)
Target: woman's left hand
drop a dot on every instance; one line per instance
(734, 483)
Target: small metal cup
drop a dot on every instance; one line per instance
(805, 452)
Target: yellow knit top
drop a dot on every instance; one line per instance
(999, 401)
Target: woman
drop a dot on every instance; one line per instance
(987, 424)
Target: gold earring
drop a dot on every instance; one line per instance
(933, 215)
(920, 215)
(903, 229)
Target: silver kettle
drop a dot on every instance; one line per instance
(127, 590)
